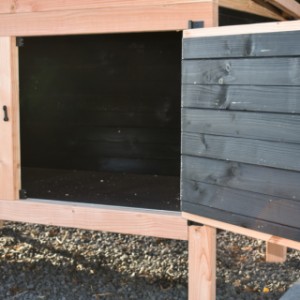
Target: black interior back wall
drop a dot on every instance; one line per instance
(102, 102)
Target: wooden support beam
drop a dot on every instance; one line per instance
(290, 7)
(156, 223)
(10, 175)
(108, 20)
(202, 263)
(251, 7)
(27, 6)
(275, 253)
(245, 231)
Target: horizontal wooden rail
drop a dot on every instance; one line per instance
(244, 231)
(108, 20)
(163, 224)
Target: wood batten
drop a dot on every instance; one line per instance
(163, 224)
(289, 7)
(108, 20)
(251, 7)
(271, 27)
(9, 122)
(245, 231)
(275, 253)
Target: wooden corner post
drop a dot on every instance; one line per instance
(202, 263)
(275, 253)
(10, 174)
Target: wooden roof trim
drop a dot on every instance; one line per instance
(290, 7)
(251, 7)
(243, 29)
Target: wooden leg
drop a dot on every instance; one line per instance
(202, 263)
(275, 253)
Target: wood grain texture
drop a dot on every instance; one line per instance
(251, 7)
(260, 71)
(126, 19)
(262, 153)
(9, 137)
(275, 253)
(263, 180)
(202, 263)
(248, 45)
(253, 205)
(290, 7)
(282, 99)
(243, 29)
(283, 128)
(283, 241)
(21, 6)
(97, 217)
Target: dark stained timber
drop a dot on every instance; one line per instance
(248, 45)
(263, 153)
(283, 99)
(258, 206)
(263, 180)
(276, 229)
(271, 127)
(260, 71)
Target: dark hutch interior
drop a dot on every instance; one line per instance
(100, 117)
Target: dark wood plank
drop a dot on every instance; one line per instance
(249, 45)
(242, 221)
(264, 180)
(260, 126)
(257, 206)
(283, 99)
(259, 71)
(263, 153)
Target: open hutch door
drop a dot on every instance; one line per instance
(241, 127)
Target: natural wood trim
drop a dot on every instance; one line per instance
(88, 21)
(10, 174)
(21, 6)
(202, 263)
(243, 29)
(275, 253)
(164, 224)
(290, 7)
(240, 230)
(251, 7)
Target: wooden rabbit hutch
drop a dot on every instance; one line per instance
(111, 121)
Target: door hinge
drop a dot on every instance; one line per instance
(195, 24)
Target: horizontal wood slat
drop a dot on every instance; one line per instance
(258, 45)
(264, 180)
(88, 21)
(282, 99)
(290, 7)
(258, 206)
(259, 71)
(262, 153)
(21, 6)
(285, 236)
(258, 126)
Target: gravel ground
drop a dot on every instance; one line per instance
(46, 262)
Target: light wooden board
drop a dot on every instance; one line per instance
(108, 20)
(290, 7)
(245, 231)
(155, 223)
(21, 6)
(243, 29)
(275, 253)
(202, 263)
(283, 99)
(9, 137)
(251, 7)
